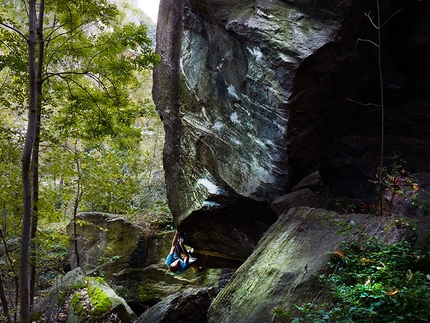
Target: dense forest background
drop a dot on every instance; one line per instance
(75, 89)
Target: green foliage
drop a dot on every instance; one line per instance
(348, 206)
(95, 69)
(421, 204)
(96, 79)
(400, 188)
(76, 301)
(51, 254)
(90, 301)
(375, 282)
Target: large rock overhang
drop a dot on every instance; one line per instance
(223, 91)
(256, 95)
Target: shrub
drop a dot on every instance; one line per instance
(374, 282)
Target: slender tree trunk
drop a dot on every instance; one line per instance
(4, 301)
(26, 158)
(35, 215)
(3, 298)
(75, 208)
(36, 146)
(7, 261)
(381, 83)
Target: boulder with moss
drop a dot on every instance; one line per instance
(131, 260)
(282, 272)
(77, 298)
(98, 302)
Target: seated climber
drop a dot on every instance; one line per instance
(178, 259)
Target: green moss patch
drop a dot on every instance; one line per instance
(99, 300)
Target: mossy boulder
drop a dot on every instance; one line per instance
(282, 272)
(55, 302)
(97, 302)
(77, 298)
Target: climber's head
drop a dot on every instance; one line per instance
(174, 266)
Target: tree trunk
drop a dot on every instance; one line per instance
(26, 158)
(381, 84)
(75, 207)
(3, 298)
(35, 159)
(4, 301)
(8, 269)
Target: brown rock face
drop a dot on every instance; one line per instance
(255, 95)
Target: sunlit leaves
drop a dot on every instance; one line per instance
(75, 14)
(93, 69)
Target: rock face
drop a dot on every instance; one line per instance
(282, 272)
(132, 261)
(189, 306)
(155, 282)
(97, 302)
(255, 95)
(107, 243)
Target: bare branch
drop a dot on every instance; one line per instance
(61, 74)
(19, 32)
(382, 25)
(54, 28)
(393, 16)
(99, 81)
(365, 104)
(86, 73)
(367, 40)
(371, 20)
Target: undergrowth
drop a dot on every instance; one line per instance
(372, 282)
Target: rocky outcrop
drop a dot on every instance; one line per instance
(131, 260)
(78, 298)
(106, 243)
(155, 282)
(282, 272)
(189, 306)
(255, 95)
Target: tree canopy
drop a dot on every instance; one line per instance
(73, 72)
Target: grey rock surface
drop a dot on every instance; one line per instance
(256, 95)
(188, 306)
(282, 272)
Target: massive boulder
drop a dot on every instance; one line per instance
(106, 243)
(284, 268)
(255, 95)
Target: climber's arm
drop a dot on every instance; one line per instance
(175, 239)
(184, 251)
